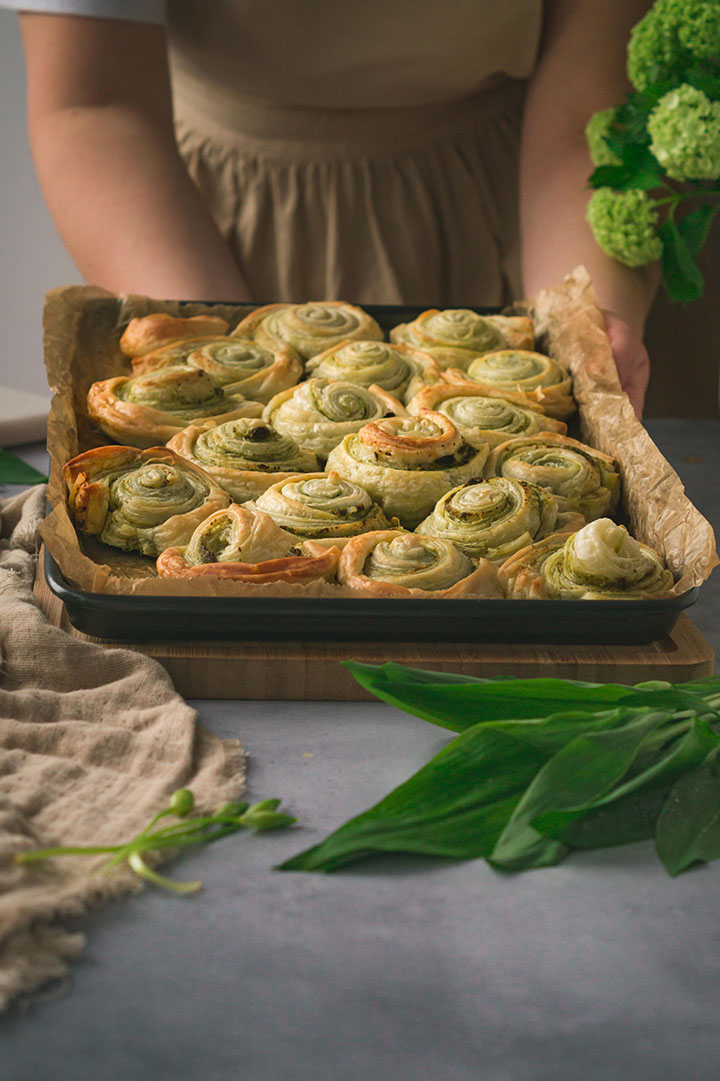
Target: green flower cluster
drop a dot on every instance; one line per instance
(624, 224)
(684, 129)
(597, 128)
(672, 35)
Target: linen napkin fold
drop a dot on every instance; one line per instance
(93, 742)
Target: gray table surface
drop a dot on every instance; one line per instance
(603, 969)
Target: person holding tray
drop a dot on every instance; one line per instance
(385, 153)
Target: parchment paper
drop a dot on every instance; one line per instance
(83, 325)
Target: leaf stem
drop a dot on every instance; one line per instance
(141, 868)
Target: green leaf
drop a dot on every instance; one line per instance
(15, 471)
(587, 768)
(626, 812)
(705, 76)
(682, 277)
(694, 227)
(458, 804)
(455, 806)
(639, 170)
(688, 827)
(459, 702)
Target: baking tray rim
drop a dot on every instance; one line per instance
(298, 606)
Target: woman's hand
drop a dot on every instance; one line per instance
(631, 359)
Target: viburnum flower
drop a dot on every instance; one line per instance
(624, 224)
(597, 127)
(672, 35)
(684, 129)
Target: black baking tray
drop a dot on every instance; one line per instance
(327, 619)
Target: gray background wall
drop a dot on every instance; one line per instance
(684, 343)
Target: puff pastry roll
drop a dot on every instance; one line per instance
(318, 413)
(483, 415)
(581, 479)
(157, 331)
(139, 500)
(244, 456)
(241, 367)
(171, 356)
(399, 369)
(408, 463)
(540, 377)
(456, 335)
(240, 545)
(392, 563)
(308, 328)
(599, 562)
(322, 507)
(491, 519)
(148, 409)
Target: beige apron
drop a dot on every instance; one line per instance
(377, 164)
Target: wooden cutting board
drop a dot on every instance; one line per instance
(312, 670)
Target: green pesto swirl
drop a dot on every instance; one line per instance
(414, 562)
(490, 420)
(250, 443)
(517, 369)
(492, 518)
(185, 393)
(365, 363)
(320, 506)
(143, 498)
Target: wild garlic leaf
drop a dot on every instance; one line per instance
(14, 471)
(629, 819)
(628, 812)
(459, 702)
(586, 768)
(455, 806)
(458, 804)
(688, 827)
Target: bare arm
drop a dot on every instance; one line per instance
(581, 69)
(101, 135)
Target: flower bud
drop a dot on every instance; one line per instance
(182, 802)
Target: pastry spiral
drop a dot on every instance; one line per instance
(322, 507)
(171, 356)
(241, 367)
(240, 545)
(486, 416)
(599, 562)
(308, 328)
(149, 409)
(139, 500)
(534, 374)
(398, 369)
(491, 519)
(157, 331)
(456, 335)
(408, 463)
(581, 479)
(245, 456)
(391, 563)
(318, 413)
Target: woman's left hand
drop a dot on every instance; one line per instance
(631, 359)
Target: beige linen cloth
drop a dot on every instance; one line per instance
(92, 744)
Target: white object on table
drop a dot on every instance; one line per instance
(23, 416)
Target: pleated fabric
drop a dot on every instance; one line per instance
(414, 205)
